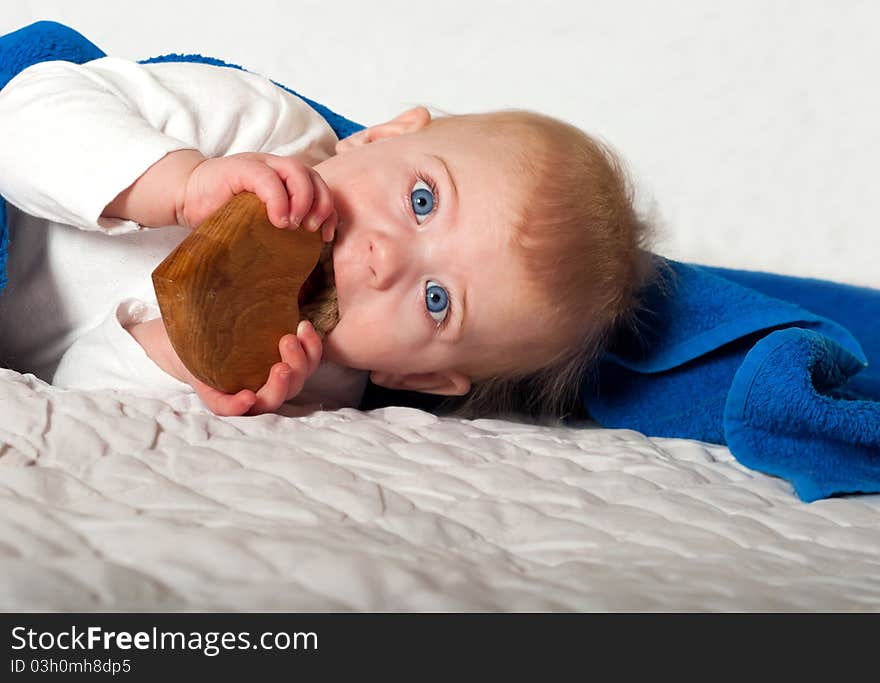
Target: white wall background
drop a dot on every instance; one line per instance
(752, 127)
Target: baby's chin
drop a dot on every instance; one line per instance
(334, 348)
(329, 351)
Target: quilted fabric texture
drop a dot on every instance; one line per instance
(113, 502)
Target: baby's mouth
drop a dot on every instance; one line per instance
(317, 296)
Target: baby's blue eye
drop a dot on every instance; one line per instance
(437, 301)
(422, 198)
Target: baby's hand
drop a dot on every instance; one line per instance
(294, 194)
(300, 357)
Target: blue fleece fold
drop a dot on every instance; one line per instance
(720, 358)
(776, 367)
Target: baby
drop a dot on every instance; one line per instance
(486, 256)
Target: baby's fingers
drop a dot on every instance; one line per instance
(322, 204)
(328, 229)
(297, 180)
(264, 182)
(309, 344)
(275, 391)
(226, 405)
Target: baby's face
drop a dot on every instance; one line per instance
(426, 279)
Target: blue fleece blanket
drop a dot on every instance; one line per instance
(775, 367)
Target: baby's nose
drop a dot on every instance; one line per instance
(387, 261)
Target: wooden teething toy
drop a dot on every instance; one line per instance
(234, 287)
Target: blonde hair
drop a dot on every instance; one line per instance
(584, 249)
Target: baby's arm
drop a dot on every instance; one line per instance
(90, 144)
(129, 350)
(184, 188)
(300, 358)
(72, 141)
(74, 137)
(207, 185)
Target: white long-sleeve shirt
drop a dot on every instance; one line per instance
(72, 137)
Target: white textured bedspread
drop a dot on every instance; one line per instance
(112, 502)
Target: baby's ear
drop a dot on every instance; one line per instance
(446, 383)
(409, 121)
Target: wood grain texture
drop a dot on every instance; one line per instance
(229, 292)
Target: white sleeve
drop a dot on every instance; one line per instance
(108, 357)
(73, 136)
